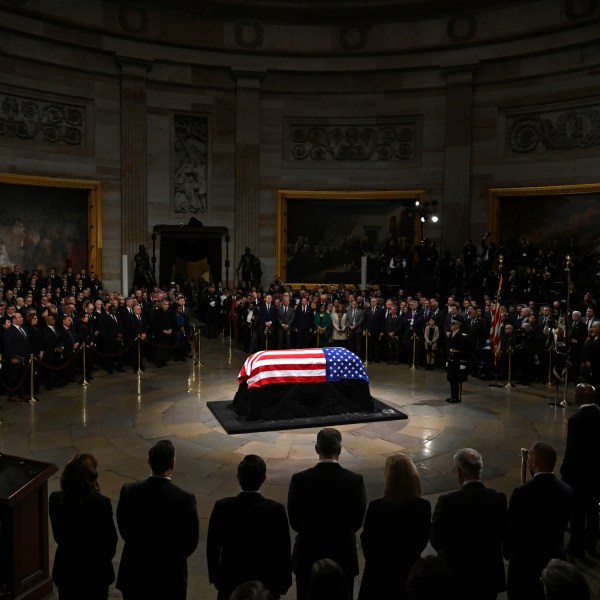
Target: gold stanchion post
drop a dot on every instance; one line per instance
(84, 381)
(366, 334)
(509, 383)
(414, 352)
(524, 454)
(32, 399)
(549, 382)
(139, 355)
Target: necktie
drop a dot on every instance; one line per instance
(304, 310)
(285, 310)
(139, 318)
(22, 332)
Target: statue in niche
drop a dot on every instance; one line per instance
(250, 268)
(143, 277)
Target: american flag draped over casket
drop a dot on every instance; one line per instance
(311, 365)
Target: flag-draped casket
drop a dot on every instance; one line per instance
(280, 384)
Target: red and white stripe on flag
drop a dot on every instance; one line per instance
(286, 366)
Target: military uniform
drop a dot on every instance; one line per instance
(457, 364)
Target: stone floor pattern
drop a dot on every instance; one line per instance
(118, 417)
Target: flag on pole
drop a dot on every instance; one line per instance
(495, 341)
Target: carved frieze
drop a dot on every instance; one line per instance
(38, 120)
(566, 129)
(190, 165)
(352, 143)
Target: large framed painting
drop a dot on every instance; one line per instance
(50, 222)
(562, 217)
(322, 235)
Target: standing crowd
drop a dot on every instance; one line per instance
(249, 552)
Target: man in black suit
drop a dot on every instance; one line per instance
(538, 514)
(471, 522)
(17, 350)
(374, 325)
(304, 323)
(326, 506)
(267, 324)
(136, 328)
(159, 523)
(249, 536)
(581, 470)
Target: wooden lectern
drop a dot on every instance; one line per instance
(24, 573)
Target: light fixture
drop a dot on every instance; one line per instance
(417, 203)
(423, 219)
(435, 218)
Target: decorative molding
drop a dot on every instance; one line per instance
(249, 35)
(133, 20)
(190, 164)
(567, 129)
(47, 121)
(461, 28)
(387, 142)
(353, 38)
(580, 9)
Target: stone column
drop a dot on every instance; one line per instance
(247, 167)
(456, 203)
(134, 197)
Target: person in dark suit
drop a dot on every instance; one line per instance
(471, 522)
(249, 537)
(285, 324)
(538, 514)
(17, 350)
(111, 335)
(581, 470)
(137, 327)
(267, 324)
(303, 323)
(326, 506)
(395, 532)
(84, 530)
(457, 360)
(373, 324)
(159, 523)
(354, 318)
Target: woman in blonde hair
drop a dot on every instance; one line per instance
(85, 533)
(395, 532)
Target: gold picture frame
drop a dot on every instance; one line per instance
(94, 209)
(325, 199)
(496, 196)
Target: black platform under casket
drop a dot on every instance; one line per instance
(298, 400)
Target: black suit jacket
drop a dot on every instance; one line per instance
(471, 522)
(249, 539)
(16, 345)
(538, 513)
(326, 506)
(159, 523)
(264, 316)
(86, 540)
(581, 464)
(393, 538)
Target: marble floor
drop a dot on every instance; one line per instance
(118, 417)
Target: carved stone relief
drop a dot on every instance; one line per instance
(352, 143)
(41, 121)
(461, 28)
(190, 166)
(568, 129)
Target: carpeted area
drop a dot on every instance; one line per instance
(234, 423)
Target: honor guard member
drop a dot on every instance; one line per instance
(457, 359)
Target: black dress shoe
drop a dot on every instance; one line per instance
(452, 400)
(575, 551)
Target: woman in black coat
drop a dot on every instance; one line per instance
(395, 532)
(83, 527)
